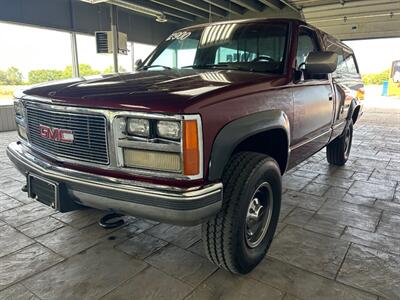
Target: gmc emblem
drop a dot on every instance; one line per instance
(56, 134)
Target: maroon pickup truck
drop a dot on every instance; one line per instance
(201, 133)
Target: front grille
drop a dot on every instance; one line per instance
(90, 137)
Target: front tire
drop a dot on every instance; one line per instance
(238, 237)
(338, 151)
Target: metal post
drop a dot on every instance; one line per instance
(114, 36)
(74, 52)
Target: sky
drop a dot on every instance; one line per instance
(29, 48)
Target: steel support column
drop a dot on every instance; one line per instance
(74, 52)
(114, 36)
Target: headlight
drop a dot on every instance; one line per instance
(20, 118)
(169, 147)
(169, 130)
(19, 109)
(139, 127)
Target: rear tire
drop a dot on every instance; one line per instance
(338, 151)
(238, 237)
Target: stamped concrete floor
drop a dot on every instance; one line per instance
(338, 238)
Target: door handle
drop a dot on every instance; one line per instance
(330, 97)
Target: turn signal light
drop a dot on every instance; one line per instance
(191, 151)
(361, 94)
(152, 160)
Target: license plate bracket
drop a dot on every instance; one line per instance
(43, 190)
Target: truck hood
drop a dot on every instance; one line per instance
(164, 91)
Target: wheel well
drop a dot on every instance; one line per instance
(355, 114)
(272, 142)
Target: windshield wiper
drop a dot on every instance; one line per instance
(206, 66)
(223, 66)
(155, 66)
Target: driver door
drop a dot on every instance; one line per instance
(313, 103)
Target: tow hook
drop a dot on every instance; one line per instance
(107, 223)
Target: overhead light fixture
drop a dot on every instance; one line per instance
(159, 15)
(94, 1)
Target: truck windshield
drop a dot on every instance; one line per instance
(255, 47)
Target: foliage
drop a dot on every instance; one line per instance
(378, 78)
(110, 69)
(84, 70)
(12, 76)
(6, 91)
(38, 76)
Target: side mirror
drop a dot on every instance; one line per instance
(323, 62)
(138, 64)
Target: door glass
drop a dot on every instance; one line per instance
(306, 44)
(351, 65)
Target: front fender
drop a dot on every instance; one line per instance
(235, 132)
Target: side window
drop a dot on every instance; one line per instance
(306, 43)
(341, 66)
(351, 64)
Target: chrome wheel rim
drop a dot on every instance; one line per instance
(259, 215)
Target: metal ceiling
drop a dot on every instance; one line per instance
(353, 19)
(183, 11)
(345, 19)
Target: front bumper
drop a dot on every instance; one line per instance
(156, 202)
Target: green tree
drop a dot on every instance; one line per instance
(12, 76)
(377, 78)
(84, 70)
(3, 77)
(38, 76)
(110, 69)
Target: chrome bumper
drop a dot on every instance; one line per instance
(156, 202)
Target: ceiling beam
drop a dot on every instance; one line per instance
(364, 31)
(274, 4)
(166, 10)
(252, 5)
(352, 4)
(349, 11)
(182, 7)
(357, 20)
(367, 36)
(199, 4)
(228, 6)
